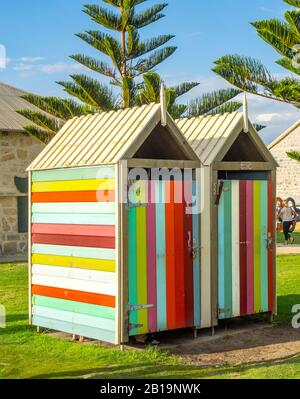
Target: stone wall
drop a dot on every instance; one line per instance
(288, 173)
(17, 151)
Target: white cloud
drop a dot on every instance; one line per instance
(60, 67)
(31, 59)
(193, 34)
(21, 67)
(263, 118)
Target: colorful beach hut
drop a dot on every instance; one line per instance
(106, 261)
(238, 241)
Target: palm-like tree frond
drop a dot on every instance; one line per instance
(94, 65)
(258, 127)
(148, 16)
(295, 3)
(47, 123)
(184, 88)
(38, 133)
(156, 58)
(104, 17)
(288, 64)
(295, 155)
(145, 47)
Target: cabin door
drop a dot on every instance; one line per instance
(163, 257)
(245, 256)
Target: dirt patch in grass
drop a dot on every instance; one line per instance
(253, 346)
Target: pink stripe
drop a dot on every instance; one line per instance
(151, 259)
(74, 229)
(250, 247)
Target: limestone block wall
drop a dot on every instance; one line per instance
(288, 173)
(17, 151)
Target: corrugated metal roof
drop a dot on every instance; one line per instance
(207, 135)
(10, 102)
(96, 139)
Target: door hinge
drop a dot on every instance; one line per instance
(132, 308)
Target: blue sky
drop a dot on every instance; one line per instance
(39, 37)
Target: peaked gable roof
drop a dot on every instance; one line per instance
(105, 138)
(211, 136)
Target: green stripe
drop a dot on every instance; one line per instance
(228, 247)
(101, 172)
(74, 307)
(132, 264)
(257, 244)
(264, 246)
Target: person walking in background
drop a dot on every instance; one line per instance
(287, 214)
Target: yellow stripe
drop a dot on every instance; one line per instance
(79, 263)
(73, 185)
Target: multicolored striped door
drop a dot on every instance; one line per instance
(163, 257)
(246, 213)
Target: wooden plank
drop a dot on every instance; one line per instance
(161, 256)
(83, 241)
(119, 310)
(75, 274)
(74, 307)
(257, 244)
(71, 328)
(264, 245)
(69, 261)
(151, 258)
(243, 249)
(162, 163)
(98, 219)
(79, 207)
(250, 247)
(76, 318)
(77, 296)
(73, 185)
(75, 196)
(238, 166)
(196, 263)
(170, 255)
(29, 251)
(271, 232)
(213, 211)
(236, 308)
(221, 252)
(188, 259)
(74, 230)
(80, 173)
(228, 247)
(179, 256)
(132, 267)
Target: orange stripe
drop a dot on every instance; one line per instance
(77, 296)
(75, 196)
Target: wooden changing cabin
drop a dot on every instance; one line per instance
(102, 266)
(238, 239)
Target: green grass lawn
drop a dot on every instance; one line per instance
(296, 235)
(26, 354)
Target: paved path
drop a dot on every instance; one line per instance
(288, 249)
(13, 258)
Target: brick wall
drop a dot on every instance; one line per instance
(288, 174)
(17, 151)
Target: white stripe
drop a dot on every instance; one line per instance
(77, 252)
(71, 207)
(236, 248)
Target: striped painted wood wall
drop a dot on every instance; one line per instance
(74, 251)
(162, 269)
(245, 262)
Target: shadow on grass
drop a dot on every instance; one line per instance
(285, 305)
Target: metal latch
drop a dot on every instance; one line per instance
(135, 326)
(223, 310)
(132, 308)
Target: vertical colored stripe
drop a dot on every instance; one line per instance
(271, 234)
(179, 257)
(196, 264)
(170, 255)
(188, 258)
(235, 248)
(132, 272)
(160, 257)
(151, 259)
(257, 243)
(243, 250)
(264, 245)
(221, 256)
(141, 251)
(228, 247)
(250, 247)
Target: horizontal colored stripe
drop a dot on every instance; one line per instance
(75, 196)
(76, 318)
(71, 306)
(96, 219)
(74, 229)
(102, 172)
(73, 185)
(78, 296)
(80, 263)
(77, 274)
(91, 242)
(72, 207)
(78, 252)
(71, 328)
(73, 284)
